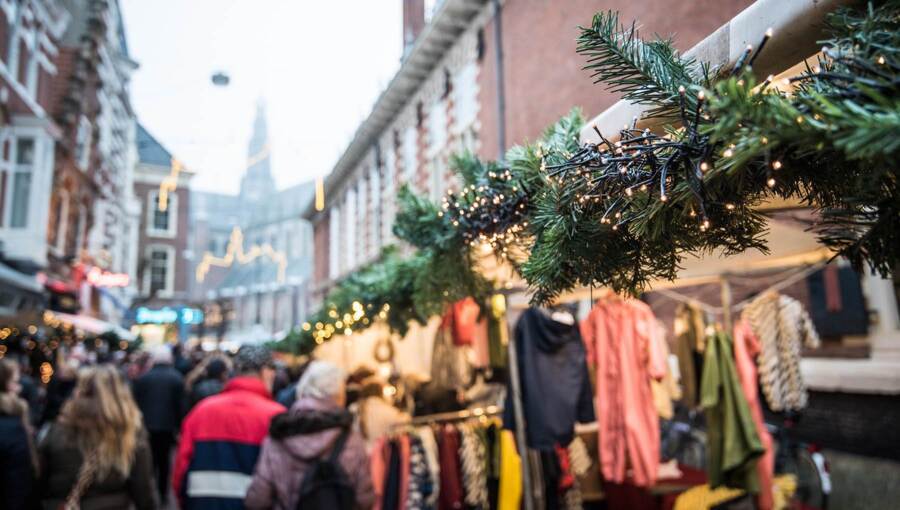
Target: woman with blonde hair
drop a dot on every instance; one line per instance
(96, 456)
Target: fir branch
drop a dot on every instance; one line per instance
(646, 73)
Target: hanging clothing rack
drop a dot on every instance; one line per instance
(452, 416)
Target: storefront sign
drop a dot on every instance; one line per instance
(100, 278)
(144, 315)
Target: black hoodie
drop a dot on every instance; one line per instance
(556, 388)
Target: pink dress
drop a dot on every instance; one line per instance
(746, 348)
(617, 334)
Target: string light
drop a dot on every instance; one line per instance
(235, 253)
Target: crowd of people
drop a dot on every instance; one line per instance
(237, 432)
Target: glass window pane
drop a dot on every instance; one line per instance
(21, 192)
(25, 151)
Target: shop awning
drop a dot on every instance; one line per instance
(93, 325)
(9, 276)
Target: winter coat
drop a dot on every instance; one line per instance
(205, 388)
(556, 387)
(220, 444)
(61, 461)
(296, 438)
(160, 395)
(15, 457)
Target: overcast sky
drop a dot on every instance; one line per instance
(318, 65)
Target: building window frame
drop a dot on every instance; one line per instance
(83, 141)
(18, 201)
(169, 289)
(171, 230)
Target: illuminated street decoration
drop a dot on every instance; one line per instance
(169, 185)
(236, 253)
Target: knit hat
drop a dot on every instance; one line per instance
(252, 358)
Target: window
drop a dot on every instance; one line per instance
(21, 185)
(410, 152)
(160, 273)
(83, 143)
(334, 239)
(62, 220)
(162, 223)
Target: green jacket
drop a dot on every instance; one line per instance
(733, 445)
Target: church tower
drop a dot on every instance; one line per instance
(257, 181)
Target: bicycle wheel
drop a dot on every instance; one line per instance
(809, 481)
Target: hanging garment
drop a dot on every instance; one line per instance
(472, 455)
(481, 353)
(498, 335)
(450, 370)
(421, 484)
(782, 326)
(746, 348)
(664, 390)
(733, 446)
(510, 473)
(490, 435)
(555, 384)
(690, 334)
(451, 497)
(461, 319)
(379, 464)
(430, 447)
(552, 476)
(703, 497)
(618, 334)
(405, 452)
(390, 499)
(836, 302)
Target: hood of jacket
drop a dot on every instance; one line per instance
(549, 335)
(12, 405)
(310, 427)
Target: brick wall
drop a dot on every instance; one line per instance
(543, 74)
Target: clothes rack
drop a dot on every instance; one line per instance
(465, 414)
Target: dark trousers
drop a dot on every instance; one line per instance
(161, 444)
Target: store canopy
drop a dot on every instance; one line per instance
(11, 277)
(93, 325)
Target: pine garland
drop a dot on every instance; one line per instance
(626, 213)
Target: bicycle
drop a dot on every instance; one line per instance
(806, 462)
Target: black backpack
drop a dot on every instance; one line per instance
(326, 485)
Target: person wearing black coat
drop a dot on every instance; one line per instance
(161, 398)
(17, 455)
(215, 375)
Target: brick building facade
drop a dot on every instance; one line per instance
(445, 99)
(68, 152)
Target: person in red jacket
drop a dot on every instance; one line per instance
(221, 436)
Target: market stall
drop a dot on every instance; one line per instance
(724, 180)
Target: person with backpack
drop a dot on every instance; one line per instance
(313, 458)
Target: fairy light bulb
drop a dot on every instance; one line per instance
(730, 207)
(728, 153)
(771, 182)
(776, 165)
(881, 59)
(704, 166)
(663, 198)
(628, 192)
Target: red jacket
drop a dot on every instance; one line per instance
(220, 443)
